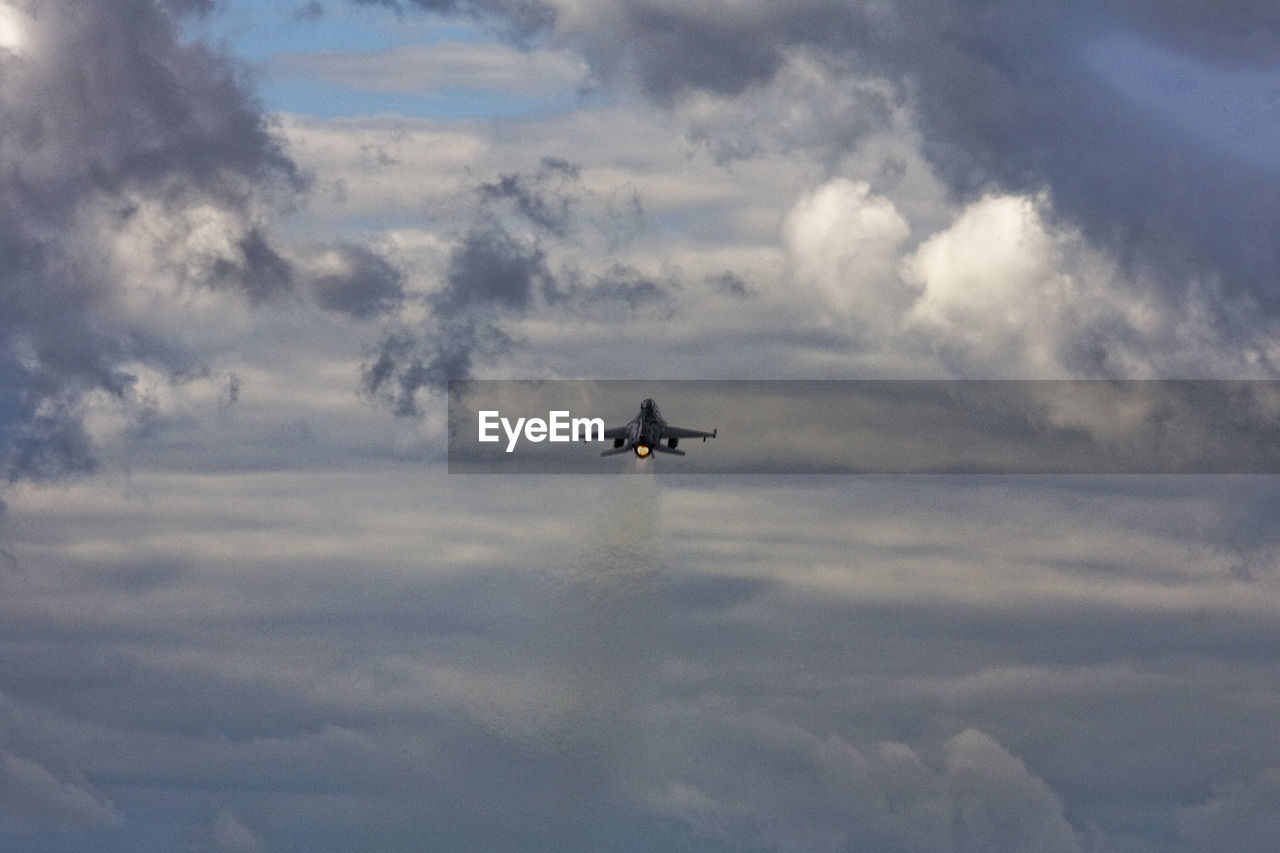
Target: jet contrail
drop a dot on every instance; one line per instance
(605, 609)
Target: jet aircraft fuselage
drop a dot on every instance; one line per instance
(647, 431)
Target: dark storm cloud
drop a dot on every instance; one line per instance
(137, 107)
(491, 267)
(517, 254)
(1009, 97)
(366, 287)
(675, 47)
(103, 109)
(1008, 101)
(117, 132)
(47, 444)
(1236, 33)
(542, 198)
(620, 287)
(260, 268)
(492, 275)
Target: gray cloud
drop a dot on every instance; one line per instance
(617, 289)
(365, 284)
(134, 161)
(518, 255)
(803, 790)
(1236, 33)
(1015, 105)
(31, 792)
(730, 283)
(676, 47)
(491, 267)
(491, 275)
(256, 266)
(48, 443)
(1009, 97)
(524, 18)
(542, 198)
(232, 836)
(290, 637)
(37, 793)
(106, 111)
(1239, 817)
(888, 663)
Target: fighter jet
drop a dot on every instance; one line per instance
(646, 432)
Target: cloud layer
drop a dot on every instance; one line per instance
(141, 183)
(270, 621)
(1015, 97)
(1012, 153)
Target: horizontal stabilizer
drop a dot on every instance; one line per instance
(615, 451)
(662, 448)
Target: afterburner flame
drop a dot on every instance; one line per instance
(642, 451)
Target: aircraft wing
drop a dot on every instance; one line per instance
(615, 432)
(680, 432)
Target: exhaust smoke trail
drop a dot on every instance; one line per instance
(604, 610)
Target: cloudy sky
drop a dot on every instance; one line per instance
(243, 247)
